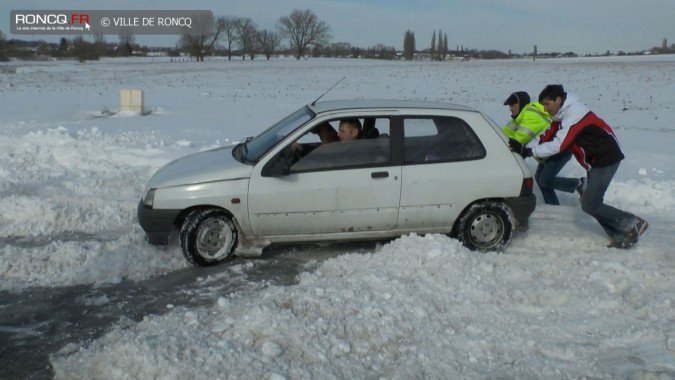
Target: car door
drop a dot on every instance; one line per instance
(443, 171)
(339, 187)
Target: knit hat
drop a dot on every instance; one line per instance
(521, 98)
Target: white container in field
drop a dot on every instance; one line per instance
(131, 100)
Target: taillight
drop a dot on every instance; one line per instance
(527, 187)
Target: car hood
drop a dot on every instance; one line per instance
(208, 166)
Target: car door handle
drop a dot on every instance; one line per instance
(379, 174)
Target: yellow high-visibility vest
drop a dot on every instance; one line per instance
(530, 122)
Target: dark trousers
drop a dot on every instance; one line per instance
(617, 223)
(547, 180)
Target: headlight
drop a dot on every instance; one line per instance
(149, 198)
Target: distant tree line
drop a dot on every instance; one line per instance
(77, 48)
(301, 29)
(306, 36)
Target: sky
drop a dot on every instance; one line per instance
(581, 26)
(556, 304)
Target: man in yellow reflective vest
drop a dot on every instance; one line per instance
(528, 120)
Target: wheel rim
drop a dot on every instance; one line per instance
(486, 230)
(214, 238)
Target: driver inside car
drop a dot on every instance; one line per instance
(350, 129)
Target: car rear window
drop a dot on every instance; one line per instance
(439, 139)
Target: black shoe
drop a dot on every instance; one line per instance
(582, 186)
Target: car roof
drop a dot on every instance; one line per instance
(337, 105)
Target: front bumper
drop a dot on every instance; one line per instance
(522, 208)
(157, 224)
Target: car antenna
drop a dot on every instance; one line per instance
(331, 87)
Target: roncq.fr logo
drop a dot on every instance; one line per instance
(51, 19)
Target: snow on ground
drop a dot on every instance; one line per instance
(557, 304)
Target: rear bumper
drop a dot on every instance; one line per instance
(157, 224)
(522, 208)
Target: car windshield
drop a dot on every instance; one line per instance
(250, 150)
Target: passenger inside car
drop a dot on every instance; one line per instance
(327, 134)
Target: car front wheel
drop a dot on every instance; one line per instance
(208, 237)
(485, 226)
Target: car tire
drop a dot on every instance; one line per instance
(485, 226)
(208, 237)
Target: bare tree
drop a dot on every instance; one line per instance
(3, 47)
(230, 33)
(203, 39)
(99, 44)
(63, 45)
(269, 41)
(84, 50)
(247, 37)
(303, 28)
(126, 42)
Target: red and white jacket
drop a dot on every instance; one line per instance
(577, 129)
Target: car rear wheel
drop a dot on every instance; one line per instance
(485, 226)
(208, 237)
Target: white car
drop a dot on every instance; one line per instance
(422, 167)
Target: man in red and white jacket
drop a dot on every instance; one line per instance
(577, 129)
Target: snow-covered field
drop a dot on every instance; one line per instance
(556, 304)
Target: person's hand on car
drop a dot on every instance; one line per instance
(519, 148)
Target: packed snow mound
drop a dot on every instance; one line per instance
(419, 307)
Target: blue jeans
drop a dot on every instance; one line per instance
(617, 223)
(548, 182)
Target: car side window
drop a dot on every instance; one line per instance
(373, 148)
(439, 139)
